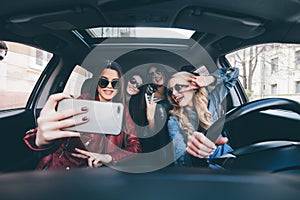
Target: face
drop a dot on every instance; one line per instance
(156, 75)
(133, 85)
(108, 83)
(181, 92)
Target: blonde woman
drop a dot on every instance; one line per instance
(193, 111)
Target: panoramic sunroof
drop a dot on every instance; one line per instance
(139, 32)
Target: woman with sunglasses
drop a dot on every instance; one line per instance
(152, 114)
(133, 85)
(66, 149)
(192, 114)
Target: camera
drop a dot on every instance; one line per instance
(150, 89)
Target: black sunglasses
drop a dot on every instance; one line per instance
(157, 72)
(177, 87)
(133, 81)
(103, 83)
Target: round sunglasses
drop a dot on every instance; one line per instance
(103, 83)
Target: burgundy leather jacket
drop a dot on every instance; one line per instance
(59, 155)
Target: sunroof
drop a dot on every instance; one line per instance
(139, 32)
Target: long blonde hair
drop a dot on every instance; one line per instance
(200, 103)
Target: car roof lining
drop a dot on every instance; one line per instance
(200, 19)
(243, 27)
(56, 22)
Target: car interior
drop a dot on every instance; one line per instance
(263, 133)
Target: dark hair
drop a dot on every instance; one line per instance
(4, 47)
(139, 115)
(116, 67)
(157, 66)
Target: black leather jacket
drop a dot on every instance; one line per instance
(151, 140)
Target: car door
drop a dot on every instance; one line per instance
(20, 80)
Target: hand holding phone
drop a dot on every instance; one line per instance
(104, 117)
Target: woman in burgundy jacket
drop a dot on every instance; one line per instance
(66, 149)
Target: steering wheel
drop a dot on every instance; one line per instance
(273, 156)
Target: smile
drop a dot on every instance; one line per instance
(108, 92)
(178, 99)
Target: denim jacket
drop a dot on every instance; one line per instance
(226, 78)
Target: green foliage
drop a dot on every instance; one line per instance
(248, 93)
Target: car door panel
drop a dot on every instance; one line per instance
(13, 151)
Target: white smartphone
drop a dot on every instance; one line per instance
(104, 117)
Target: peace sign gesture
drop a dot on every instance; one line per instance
(94, 159)
(150, 111)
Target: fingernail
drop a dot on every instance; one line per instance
(85, 118)
(84, 108)
(213, 150)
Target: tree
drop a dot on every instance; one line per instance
(247, 59)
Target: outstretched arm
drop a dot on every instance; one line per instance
(51, 123)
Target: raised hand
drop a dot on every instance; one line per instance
(202, 81)
(51, 122)
(150, 110)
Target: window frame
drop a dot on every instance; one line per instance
(21, 75)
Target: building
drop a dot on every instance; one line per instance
(276, 73)
(19, 71)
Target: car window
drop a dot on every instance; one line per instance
(76, 80)
(19, 71)
(269, 70)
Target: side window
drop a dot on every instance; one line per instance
(297, 87)
(76, 80)
(269, 70)
(297, 59)
(20, 69)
